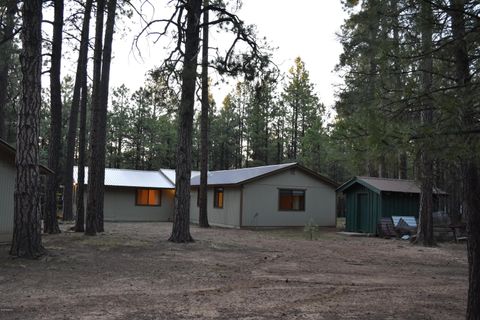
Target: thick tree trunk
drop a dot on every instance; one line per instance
(91, 226)
(202, 193)
(80, 219)
(181, 218)
(470, 163)
(6, 54)
(425, 227)
(55, 144)
(73, 120)
(96, 171)
(27, 241)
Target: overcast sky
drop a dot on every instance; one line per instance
(304, 28)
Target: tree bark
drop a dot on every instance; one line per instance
(91, 226)
(181, 218)
(202, 193)
(425, 226)
(80, 219)
(96, 171)
(470, 163)
(55, 143)
(73, 120)
(6, 54)
(27, 241)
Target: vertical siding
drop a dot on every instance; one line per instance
(7, 186)
(400, 204)
(228, 216)
(374, 203)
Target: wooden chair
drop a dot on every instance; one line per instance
(385, 228)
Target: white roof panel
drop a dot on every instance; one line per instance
(170, 174)
(131, 178)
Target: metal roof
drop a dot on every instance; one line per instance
(386, 185)
(170, 174)
(131, 178)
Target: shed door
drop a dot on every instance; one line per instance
(362, 212)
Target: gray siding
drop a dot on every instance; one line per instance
(261, 201)
(228, 216)
(119, 205)
(7, 186)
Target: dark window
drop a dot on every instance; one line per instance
(218, 198)
(291, 200)
(148, 197)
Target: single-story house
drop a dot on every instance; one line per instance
(7, 189)
(369, 199)
(136, 195)
(283, 195)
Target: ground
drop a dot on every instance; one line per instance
(132, 272)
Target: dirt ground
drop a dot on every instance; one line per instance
(132, 272)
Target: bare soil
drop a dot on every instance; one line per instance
(132, 272)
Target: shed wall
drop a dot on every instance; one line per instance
(400, 204)
(374, 205)
(228, 216)
(261, 201)
(7, 187)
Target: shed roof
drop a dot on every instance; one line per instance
(8, 151)
(170, 174)
(246, 175)
(131, 178)
(386, 185)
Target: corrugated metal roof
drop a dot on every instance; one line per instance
(236, 176)
(170, 174)
(131, 178)
(387, 185)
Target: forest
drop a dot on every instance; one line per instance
(408, 106)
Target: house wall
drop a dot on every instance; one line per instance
(119, 205)
(228, 216)
(261, 201)
(7, 186)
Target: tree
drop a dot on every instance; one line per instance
(96, 171)
(202, 193)
(27, 241)
(81, 72)
(6, 48)
(55, 143)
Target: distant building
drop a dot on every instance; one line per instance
(283, 195)
(369, 199)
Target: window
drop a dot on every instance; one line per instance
(291, 200)
(148, 197)
(218, 198)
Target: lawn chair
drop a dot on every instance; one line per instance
(385, 228)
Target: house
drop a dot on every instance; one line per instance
(284, 195)
(7, 188)
(369, 199)
(135, 195)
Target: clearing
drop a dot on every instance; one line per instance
(132, 272)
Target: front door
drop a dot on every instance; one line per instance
(362, 212)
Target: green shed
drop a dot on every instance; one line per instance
(369, 199)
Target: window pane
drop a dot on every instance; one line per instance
(155, 197)
(218, 198)
(142, 197)
(291, 200)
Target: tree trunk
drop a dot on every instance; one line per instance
(80, 220)
(96, 170)
(27, 241)
(471, 171)
(181, 218)
(55, 144)
(73, 120)
(425, 227)
(202, 193)
(6, 54)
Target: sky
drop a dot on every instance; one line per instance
(304, 28)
